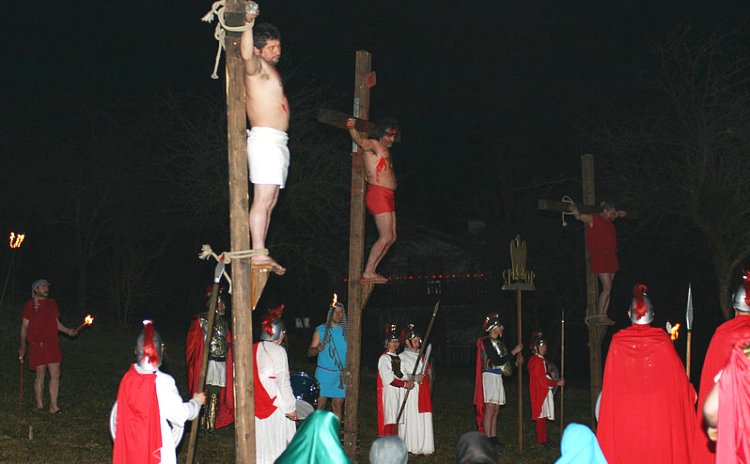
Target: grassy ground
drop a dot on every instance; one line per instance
(95, 361)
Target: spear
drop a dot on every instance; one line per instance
(20, 381)
(218, 271)
(689, 323)
(562, 369)
(421, 352)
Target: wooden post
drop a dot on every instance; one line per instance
(356, 295)
(519, 315)
(239, 225)
(596, 329)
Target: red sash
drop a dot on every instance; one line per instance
(264, 406)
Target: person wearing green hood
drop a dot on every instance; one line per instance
(316, 442)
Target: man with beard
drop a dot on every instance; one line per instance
(381, 190)
(268, 112)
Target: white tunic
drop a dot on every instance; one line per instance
(273, 434)
(171, 409)
(416, 430)
(392, 396)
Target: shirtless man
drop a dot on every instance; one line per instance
(268, 112)
(381, 187)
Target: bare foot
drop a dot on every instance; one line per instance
(374, 278)
(606, 320)
(268, 261)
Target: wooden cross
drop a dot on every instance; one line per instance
(358, 293)
(597, 330)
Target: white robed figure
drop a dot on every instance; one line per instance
(416, 429)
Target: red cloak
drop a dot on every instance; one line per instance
(727, 335)
(137, 430)
(538, 384)
(478, 387)
(425, 391)
(646, 413)
(194, 358)
(734, 410)
(264, 406)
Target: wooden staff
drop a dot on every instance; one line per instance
(416, 365)
(519, 363)
(20, 384)
(204, 362)
(562, 370)
(689, 324)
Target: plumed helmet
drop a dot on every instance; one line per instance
(221, 297)
(149, 348)
(272, 327)
(741, 297)
(408, 333)
(537, 340)
(491, 321)
(641, 310)
(391, 333)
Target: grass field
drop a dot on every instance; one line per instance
(94, 363)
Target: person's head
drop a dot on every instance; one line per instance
(538, 343)
(149, 348)
(221, 299)
(492, 326)
(267, 41)
(578, 445)
(388, 450)
(392, 341)
(388, 131)
(609, 210)
(641, 310)
(272, 327)
(475, 448)
(40, 288)
(411, 338)
(337, 313)
(741, 296)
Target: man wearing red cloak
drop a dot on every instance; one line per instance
(540, 389)
(219, 384)
(646, 413)
(727, 335)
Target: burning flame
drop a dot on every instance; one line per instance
(673, 332)
(88, 320)
(16, 240)
(335, 300)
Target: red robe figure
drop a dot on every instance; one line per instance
(147, 403)
(540, 388)
(727, 408)
(727, 335)
(219, 384)
(646, 413)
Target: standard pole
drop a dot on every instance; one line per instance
(562, 372)
(520, 373)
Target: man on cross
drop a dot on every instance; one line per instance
(268, 112)
(381, 190)
(601, 242)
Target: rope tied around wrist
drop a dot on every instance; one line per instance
(217, 9)
(227, 256)
(566, 199)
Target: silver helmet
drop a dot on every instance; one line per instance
(491, 321)
(537, 340)
(149, 348)
(741, 297)
(641, 310)
(272, 327)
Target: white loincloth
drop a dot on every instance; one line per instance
(267, 156)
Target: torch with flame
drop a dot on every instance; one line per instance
(673, 331)
(88, 320)
(335, 300)
(16, 240)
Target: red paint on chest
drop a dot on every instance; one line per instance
(283, 108)
(382, 164)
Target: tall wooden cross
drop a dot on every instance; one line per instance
(597, 330)
(358, 292)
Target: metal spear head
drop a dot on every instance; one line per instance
(218, 270)
(689, 308)
(435, 310)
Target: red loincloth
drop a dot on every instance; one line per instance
(194, 358)
(601, 242)
(380, 199)
(646, 413)
(44, 346)
(726, 336)
(138, 433)
(733, 443)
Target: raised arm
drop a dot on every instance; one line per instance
(252, 61)
(365, 143)
(585, 218)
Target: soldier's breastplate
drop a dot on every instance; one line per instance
(219, 347)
